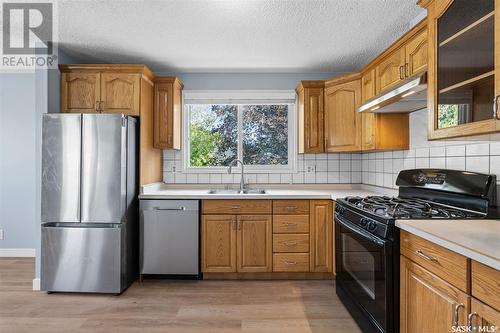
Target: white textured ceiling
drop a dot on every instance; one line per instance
(234, 35)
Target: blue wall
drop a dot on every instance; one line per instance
(17, 160)
(245, 81)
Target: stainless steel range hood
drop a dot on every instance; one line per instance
(409, 96)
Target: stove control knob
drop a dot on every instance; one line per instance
(340, 210)
(363, 222)
(372, 226)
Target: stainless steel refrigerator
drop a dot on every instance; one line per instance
(89, 203)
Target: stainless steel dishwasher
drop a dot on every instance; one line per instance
(170, 237)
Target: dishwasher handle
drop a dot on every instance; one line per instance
(170, 209)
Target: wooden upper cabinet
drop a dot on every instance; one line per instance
(254, 245)
(390, 71)
(463, 79)
(80, 92)
(311, 116)
(368, 90)
(321, 236)
(385, 131)
(416, 54)
(168, 113)
(218, 243)
(368, 124)
(120, 93)
(342, 121)
(427, 303)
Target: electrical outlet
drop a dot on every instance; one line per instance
(1, 234)
(310, 168)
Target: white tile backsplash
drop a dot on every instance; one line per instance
(480, 154)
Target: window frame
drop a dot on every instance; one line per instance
(254, 97)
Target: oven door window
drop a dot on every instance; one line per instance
(362, 261)
(362, 270)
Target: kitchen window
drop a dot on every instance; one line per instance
(255, 127)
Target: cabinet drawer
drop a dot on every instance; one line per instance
(448, 265)
(291, 224)
(291, 207)
(486, 284)
(236, 207)
(291, 243)
(291, 262)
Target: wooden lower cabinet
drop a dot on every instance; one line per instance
(321, 236)
(259, 242)
(236, 243)
(218, 243)
(483, 318)
(428, 303)
(255, 253)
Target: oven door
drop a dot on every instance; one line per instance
(364, 271)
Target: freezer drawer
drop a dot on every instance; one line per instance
(81, 259)
(170, 237)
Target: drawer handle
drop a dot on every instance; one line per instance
(235, 207)
(290, 262)
(455, 313)
(291, 207)
(426, 257)
(290, 243)
(291, 225)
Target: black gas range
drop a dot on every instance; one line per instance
(367, 240)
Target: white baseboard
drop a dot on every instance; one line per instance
(36, 284)
(17, 253)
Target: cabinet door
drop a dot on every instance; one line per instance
(254, 243)
(429, 304)
(218, 243)
(368, 131)
(390, 71)
(342, 121)
(163, 116)
(368, 86)
(167, 115)
(321, 236)
(416, 54)
(120, 93)
(483, 318)
(80, 92)
(313, 120)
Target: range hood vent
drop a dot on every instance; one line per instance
(409, 96)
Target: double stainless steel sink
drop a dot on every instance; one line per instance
(236, 191)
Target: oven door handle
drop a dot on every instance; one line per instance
(360, 231)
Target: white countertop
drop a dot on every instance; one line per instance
(475, 239)
(165, 192)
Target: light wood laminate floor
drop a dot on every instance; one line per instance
(172, 306)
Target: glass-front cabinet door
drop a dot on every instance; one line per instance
(462, 75)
